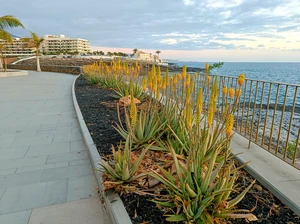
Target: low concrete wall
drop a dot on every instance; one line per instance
(75, 70)
(10, 73)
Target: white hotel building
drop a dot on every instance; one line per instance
(61, 44)
(51, 45)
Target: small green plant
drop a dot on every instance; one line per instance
(124, 89)
(122, 169)
(143, 127)
(109, 82)
(200, 189)
(215, 65)
(291, 150)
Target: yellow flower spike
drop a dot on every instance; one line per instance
(188, 80)
(215, 90)
(229, 125)
(153, 70)
(199, 105)
(211, 112)
(179, 76)
(144, 82)
(154, 84)
(238, 93)
(188, 95)
(158, 71)
(167, 75)
(225, 91)
(175, 80)
(241, 79)
(184, 72)
(208, 78)
(231, 93)
(207, 67)
(189, 116)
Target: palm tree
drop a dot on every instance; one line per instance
(7, 21)
(35, 41)
(135, 50)
(158, 52)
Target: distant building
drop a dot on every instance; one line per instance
(18, 48)
(143, 56)
(61, 44)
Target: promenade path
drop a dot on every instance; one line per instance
(45, 173)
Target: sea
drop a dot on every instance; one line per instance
(283, 72)
(286, 72)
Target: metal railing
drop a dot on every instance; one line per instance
(268, 114)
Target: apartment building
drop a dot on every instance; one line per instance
(61, 44)
(51, 45)
(17, 48)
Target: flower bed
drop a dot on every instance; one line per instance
(99, 111)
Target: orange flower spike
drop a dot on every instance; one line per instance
(207, 67)
(208, 78)
(238, 93)
(225, 91)
(184, 72)
(229, 125)
(144, 83)
(241, 79)
(188, 80)
(231, 93)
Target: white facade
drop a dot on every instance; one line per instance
(18, 48)
(61, 44)
(143, 56)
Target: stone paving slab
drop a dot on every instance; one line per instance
(16, 217)
(282, 179)
(87, 211)
(43, 160)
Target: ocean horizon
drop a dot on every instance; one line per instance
(284, 72)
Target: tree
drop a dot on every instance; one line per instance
(35, 42)
(135, 50)
(157, 52)
(7, 21)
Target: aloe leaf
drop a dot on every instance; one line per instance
(109, 169)
(204, 203)
(176, 218)
(166, 204)
(125, 171)
(139, 160)
(236, 200)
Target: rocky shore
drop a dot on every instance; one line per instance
(70, 62)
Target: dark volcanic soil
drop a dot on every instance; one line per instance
(100, 114)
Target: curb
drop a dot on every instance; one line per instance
(112, 200)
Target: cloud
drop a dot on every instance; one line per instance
(261, 45)
(169, 41)
(169, 24)
(189, 2)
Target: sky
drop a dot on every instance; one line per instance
(190, 30)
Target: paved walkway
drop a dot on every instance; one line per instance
(45, 172)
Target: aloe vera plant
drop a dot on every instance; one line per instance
(124, 89)
(200, 189)
(122, 169)
(145, 128)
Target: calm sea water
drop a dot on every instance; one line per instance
(273, 71)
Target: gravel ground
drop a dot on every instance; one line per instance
(100, 114)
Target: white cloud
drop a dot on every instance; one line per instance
(226, 14)
(170, 41)
(189, 2)
(223, 3)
